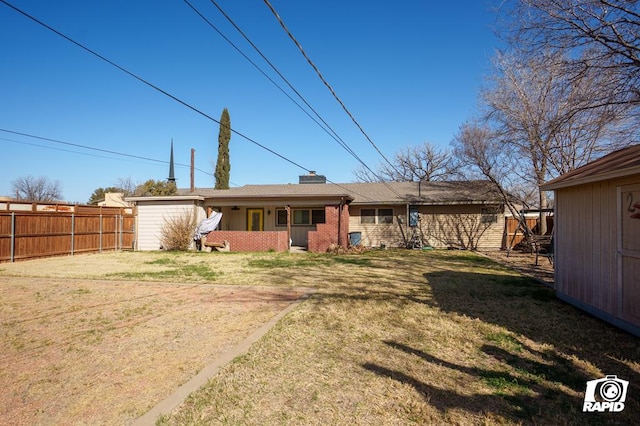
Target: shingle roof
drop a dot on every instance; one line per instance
(619, 163)
(458, 192)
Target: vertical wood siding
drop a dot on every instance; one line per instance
(69, 230)
(586, 227)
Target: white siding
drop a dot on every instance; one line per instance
(152, 216)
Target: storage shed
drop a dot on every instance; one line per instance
(154, 212)
(597, 237)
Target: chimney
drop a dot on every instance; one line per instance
(312, 177)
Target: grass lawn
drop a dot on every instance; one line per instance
(393, 337)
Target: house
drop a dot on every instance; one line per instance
(114, 199)
(597, 237)
(315, 214)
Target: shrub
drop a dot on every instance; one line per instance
(177, 231)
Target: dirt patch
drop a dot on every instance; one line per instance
(525, 263)
(104, 352)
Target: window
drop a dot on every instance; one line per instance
(281, 217)
(489, 215)
(368, 216)
(301, 217)
(414, 216)
(385, 215)
(317, 216)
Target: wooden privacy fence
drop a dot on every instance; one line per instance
(513, 235)
(55, 230)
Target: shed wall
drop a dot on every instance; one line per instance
(586, 232)
(152, 216)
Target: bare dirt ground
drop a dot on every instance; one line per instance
(82, 351)
(525, 263)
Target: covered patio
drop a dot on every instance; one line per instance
(260, 222)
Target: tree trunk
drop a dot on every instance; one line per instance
(544, 203)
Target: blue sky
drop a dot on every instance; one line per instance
(409, 73)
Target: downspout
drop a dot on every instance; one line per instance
(407, 218)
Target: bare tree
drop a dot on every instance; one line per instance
(598, 35)
(29, 188)
(482, 156)
(420, 163)
(127, 186)
(549, 120)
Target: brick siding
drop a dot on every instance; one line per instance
(250, 241)
(327, 233)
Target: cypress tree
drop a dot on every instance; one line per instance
(223, 166)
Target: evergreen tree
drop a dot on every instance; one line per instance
(223, 166)
(153, 188)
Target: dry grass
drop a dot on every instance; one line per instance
(401, 337)
(104, 351)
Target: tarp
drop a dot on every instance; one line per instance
(207, 225)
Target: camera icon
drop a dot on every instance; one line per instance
(606, 394)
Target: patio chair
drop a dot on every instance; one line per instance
(543, 246)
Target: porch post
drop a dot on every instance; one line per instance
(340, 221)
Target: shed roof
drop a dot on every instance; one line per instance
(431, 193)
(619, 163)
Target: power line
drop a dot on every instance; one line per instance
(335, 136)
(94, 149)
(327, 128)
(107, 151)
(140, 79)
(66, 150)
(315, 68)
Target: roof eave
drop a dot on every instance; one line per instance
(166, 198)
(560, 182)
(429, 203)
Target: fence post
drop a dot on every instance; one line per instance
(121, 230)
(73, 228)
(13, 236)
(100, 248)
